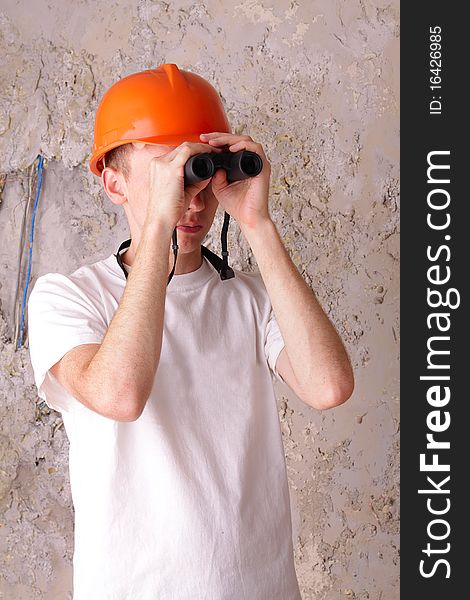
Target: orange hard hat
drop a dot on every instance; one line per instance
(165, 106)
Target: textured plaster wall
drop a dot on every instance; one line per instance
(317, 84)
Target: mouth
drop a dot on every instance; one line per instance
(189, 228)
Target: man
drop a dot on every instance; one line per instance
(177, 466)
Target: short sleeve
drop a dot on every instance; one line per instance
(60, 317)
(274, 343)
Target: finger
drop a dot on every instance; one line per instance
(227, 138)
(212, 134)
(246, 145)
(238, 145)
(188, 149)
(252, 147)
(220, 176)
(193, 189)
(226, 133)
(196, 146)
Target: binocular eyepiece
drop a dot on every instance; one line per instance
(238, 165)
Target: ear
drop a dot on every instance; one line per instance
(114, 185)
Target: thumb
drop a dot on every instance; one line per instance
(193, 189)
(219, 178)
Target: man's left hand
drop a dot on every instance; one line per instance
(245, 200)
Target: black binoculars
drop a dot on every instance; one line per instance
(238, 165)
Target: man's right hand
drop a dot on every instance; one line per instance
(168, 197)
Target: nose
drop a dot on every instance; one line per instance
(197, 203)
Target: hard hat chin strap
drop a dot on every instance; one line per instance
(220, 264)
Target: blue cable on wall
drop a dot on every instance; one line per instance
(39, 168)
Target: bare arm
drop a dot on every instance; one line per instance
(128, 357)
(116, 379)
(315, 363)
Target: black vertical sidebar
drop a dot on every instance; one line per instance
(434, 301)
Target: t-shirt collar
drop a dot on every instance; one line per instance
(183, 281)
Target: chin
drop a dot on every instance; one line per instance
(189, 245)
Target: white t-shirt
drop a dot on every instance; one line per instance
(191, 500)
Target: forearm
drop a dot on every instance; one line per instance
(315, 350)
(129, 354)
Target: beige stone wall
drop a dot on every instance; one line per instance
(317, 84)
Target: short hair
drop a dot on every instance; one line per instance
(118, 159)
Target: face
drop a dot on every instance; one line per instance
(201, 209)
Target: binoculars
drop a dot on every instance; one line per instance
(238, 165)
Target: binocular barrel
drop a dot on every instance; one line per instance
(238, 165)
